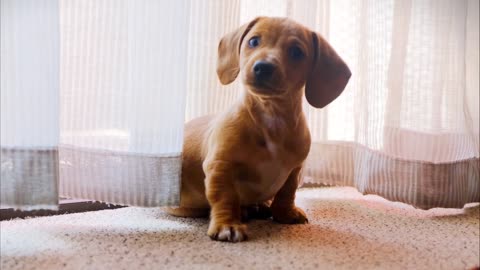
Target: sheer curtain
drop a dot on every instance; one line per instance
(29, 84)
(93, 97)
(123, 72)
(406, 127)
(95, 94)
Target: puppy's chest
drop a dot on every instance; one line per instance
(273, 172)
(269, 173)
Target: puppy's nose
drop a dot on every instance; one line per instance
(263, 70)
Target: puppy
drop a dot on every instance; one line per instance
(253, 153)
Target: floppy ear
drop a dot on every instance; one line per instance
(229, 53)
(329, 74)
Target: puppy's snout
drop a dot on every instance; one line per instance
(263, 70)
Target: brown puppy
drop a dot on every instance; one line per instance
(253, 152)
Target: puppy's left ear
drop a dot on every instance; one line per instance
(229, 53)
(329, 74)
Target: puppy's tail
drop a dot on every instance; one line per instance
(188, 212)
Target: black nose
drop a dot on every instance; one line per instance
(263, 70)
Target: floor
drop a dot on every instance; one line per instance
(346, 231)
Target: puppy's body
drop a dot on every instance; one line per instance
(254, 151)
(263, 147)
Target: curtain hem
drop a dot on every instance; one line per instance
(29, 178)
(422, 184)
(120, 178)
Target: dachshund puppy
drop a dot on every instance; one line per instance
(252, 154)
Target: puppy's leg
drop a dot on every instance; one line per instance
(225, 214)
(283, 205)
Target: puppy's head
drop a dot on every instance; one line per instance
(276, 56)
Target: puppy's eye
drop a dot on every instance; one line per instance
(254, 42)
(295, 53)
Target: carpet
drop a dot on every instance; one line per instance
(346, 231)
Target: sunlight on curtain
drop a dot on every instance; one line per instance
(406, 127)
(123, 80)
(93, 98)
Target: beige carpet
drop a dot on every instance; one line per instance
(346, 231)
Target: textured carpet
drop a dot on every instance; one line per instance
(346, 231)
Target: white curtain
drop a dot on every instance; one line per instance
(95, 93)
(407, 125)
(29, 83)
(93, 97)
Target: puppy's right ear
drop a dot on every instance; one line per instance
(229, 53)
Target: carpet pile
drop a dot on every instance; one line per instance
(346, 231)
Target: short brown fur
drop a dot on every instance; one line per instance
(253, 153)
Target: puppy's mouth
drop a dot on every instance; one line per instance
(272, 86)
(264, 87)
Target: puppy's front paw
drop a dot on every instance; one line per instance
(227, 232)
(293, 215)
